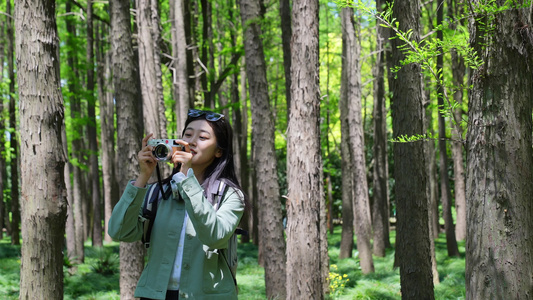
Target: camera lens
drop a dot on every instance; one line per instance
(161, 152)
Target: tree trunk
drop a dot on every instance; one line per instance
(107, 129)
(361, 207)
(380, 205)
(499, 260)
(180, 73)
(306, 234)
(15, 162)
(129, 130)
(44, 200)
(271, 229)
(445, 190)
(91, 130)
(347, 243)
(76, 143)
(286, 34)
(149, 36)
(413, 244)
(458, 71)
(3, 163)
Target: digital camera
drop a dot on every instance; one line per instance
(162, 148)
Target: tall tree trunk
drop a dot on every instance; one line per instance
(307, 264)
(76, 143)
(149, 37)
(286, 34)
(499, 260)
(445, 190)
(347, 243)
(433, 182)
(380, 205)
(361, 207)
(91, 130)
(271, 234)
(458, 71)
(15, 162)
(413, 241)
(180, 83)
(3, 117)
(107, 130)
(129, 130)
(44, 203)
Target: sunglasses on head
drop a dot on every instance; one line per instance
(209, 115)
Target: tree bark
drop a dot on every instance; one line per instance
(286, 34)
(458, 71)
(306, 231)
(3, 163)
(149, 37)
(413, 245)
(129, 130)
(347, 237)
(499, 260)
(361, 206)
(15, 162)
(91, 130)
(180, 72)
(445, 190)
(380, 205)
(43, 191)
(271, 229)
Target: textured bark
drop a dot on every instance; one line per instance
(458, 71)
(107, 130)
(445, 190)
(44, 202)
(149, 37)
(410, 172)
(306, 231)
(14, 144)
(76, 143)
(347, 243)
(361, 206)
(180, 72)
(286, 33)
(380, 205)
(129, 130)
(271, 237)
(499, 259)
(94, 177)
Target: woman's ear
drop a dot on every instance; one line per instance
(218, 153)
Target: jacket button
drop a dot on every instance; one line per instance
(187, 188)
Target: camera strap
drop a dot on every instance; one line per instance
(160, 182)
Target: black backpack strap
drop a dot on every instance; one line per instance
(149, 209)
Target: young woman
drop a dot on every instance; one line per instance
(185, 260)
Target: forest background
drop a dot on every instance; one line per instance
(353, 113)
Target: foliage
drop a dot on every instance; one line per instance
(107, 262)
(337, 282)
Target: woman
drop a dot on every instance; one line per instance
(184, 259)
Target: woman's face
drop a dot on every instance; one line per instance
(203, 144)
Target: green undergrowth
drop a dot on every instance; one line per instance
(98, 276)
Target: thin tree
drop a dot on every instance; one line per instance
(445, 190)
(307, 262)
(14, 144)
(180, 72)
(271, 238)
(94, 173)
(129, 130)
(361, 206)
(3, 117)
(41, 121)
(410, 172)
(499, 260)
(380, 205)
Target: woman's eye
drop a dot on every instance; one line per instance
(203, 138)
(187, 135)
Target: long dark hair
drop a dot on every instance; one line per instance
(222, 168)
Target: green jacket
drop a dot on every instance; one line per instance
(204, 273)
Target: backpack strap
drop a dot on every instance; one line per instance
(149, 209)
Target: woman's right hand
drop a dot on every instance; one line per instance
(147, 162)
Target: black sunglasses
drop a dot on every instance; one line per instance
(209, 115)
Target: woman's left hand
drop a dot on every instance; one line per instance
(184, 156)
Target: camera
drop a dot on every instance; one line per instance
(162, 148)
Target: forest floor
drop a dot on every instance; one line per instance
(98, 277)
